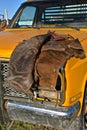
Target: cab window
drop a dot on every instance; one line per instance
(26, 17)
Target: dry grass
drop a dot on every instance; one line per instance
(26, 126)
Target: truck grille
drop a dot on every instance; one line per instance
(4, 70)
(8, 91)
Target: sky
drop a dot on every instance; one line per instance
(10, 5)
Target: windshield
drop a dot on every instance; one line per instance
(51, 16)
(25, 18)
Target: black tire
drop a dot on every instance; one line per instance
(79, 122)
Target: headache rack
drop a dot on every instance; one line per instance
(65, 15)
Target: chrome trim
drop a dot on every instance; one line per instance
(60, 117)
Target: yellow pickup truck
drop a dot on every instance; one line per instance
(37, 17)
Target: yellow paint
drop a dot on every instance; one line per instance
(76, 97)
(76, 76)
(10, 38)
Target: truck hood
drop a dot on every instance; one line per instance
(10, 38)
